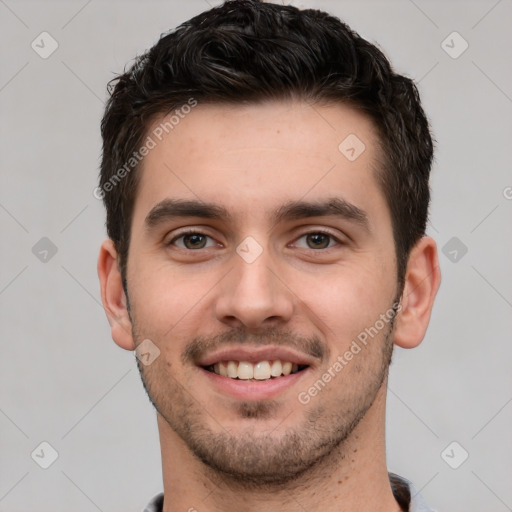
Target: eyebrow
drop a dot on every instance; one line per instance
(294, 210)
(170, 208)
(334, 207)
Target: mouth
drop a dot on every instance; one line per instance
(259, 371)
(255, 372)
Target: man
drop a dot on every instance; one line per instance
(265, 174)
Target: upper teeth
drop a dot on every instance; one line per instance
(260, 371)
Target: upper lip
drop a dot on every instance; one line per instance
(255, 355)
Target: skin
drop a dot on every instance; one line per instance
(221, 452)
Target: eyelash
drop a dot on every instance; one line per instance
(324, 233)
(314, 232)
(187, 233)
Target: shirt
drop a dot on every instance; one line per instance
(405, 494)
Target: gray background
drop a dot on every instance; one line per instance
(63, 380)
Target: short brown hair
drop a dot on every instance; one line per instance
(247, 50)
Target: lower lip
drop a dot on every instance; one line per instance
(253, 389)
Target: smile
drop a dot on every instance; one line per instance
(262, 370)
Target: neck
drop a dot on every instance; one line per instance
(353, 477)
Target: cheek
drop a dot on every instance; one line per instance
(345, 302)
(167, 301)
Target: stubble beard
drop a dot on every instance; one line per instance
(278, 458)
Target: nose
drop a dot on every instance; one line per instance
(253, 295)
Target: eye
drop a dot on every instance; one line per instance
(316, 240)
(193, 241)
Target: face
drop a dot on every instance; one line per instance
(259, 248)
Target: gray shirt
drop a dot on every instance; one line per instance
(405, 493)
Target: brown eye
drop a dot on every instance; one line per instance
(318, 240)
(193, 241)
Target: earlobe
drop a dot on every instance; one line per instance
(113, 296)
(422, 280)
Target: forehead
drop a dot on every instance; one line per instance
(254, 157)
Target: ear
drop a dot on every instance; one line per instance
(113, 296)
(422, 280)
